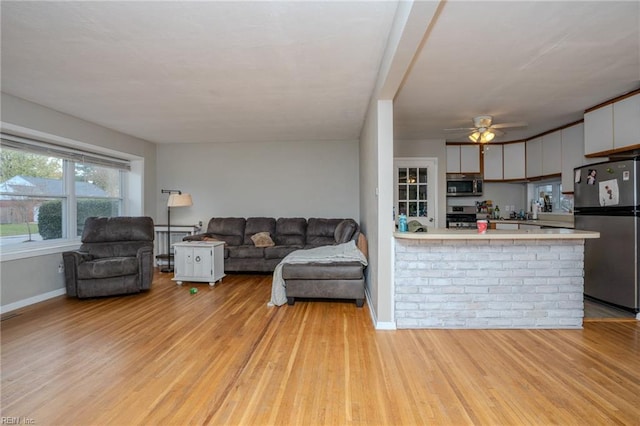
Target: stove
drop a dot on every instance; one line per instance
(461, 217)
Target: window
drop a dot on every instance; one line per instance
(551, 193)
(47, 191)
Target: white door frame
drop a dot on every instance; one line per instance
(431, 164)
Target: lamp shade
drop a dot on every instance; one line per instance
(482, 137)
(179, 200)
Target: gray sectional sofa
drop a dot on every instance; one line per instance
(339, 280)
(287, 234)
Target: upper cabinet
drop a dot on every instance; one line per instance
(493, 162)
(613, 127)
(534, 157)
(552, 153)
(453, 158)
(463, 159)
(572, 154)
(626, 117)
(598, 130)
(514, 160)
(470, 158)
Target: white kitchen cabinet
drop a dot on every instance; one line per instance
(626, 117)
(514, 160)
(534, 157)
(492, 161)
(572, 154)
(463, 159)
(552, 153)
(453, 158)
(598, 130)
(470, 158)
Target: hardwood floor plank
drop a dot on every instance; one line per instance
(223, 357)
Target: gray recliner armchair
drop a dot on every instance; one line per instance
(116, 257)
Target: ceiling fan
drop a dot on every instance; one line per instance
(484, 130)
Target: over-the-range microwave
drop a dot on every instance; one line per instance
(464, 185)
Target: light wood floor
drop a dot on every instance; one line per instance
(222, 356)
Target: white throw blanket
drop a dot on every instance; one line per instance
(347, 252)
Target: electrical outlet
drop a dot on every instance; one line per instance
(200, 224)
(60, 268)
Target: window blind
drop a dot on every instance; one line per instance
(67, 153)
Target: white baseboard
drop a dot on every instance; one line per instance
(32, 300)
(390, 325)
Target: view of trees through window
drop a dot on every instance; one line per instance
(36, 200)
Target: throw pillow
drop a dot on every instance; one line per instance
(262, 239)
(344, 231)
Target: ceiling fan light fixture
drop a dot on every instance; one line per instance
(482, 137)
(474, 137)
(487, 136)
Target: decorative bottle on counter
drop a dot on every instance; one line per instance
(402, 223)
(496, 212)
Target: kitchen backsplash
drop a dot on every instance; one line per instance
(501, 194)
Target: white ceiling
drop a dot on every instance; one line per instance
(257, 71)
(543, 63)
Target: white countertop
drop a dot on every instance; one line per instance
(538, 222)
(497, 234)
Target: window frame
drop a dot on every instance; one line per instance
(557, 195)
(132, 178)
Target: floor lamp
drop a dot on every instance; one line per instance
(176, 199)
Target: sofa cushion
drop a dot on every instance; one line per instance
(109, 267)
(255, 225)
(246, 252)
(227, 229)
(321, 231)
(279, 252)
(345, 230)
(262, 239)
(291, 231)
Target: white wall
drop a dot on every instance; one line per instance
(273, 179)
(28, 279)
(434, 148)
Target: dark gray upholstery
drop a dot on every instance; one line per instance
(227, 229)
(341, 280)
(116, 257)
(258, 224)
(338, 280)
(291, 232)
(288, 234)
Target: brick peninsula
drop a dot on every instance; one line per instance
(501, 279)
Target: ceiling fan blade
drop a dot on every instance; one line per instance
(460, 129)
(511, 125)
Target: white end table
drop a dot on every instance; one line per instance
(201, 261)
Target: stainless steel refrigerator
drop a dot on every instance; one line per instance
(607, 200)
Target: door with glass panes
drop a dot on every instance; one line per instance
(415, 189)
